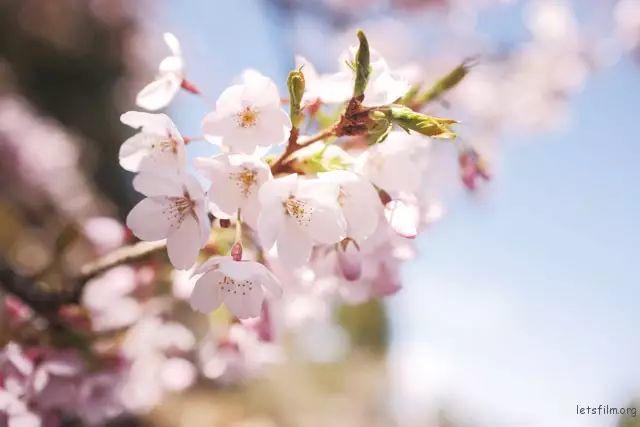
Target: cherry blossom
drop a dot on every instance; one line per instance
(159, 93)
(248, 115)
(174, 209)
(359, 201)
(397, 164)
(327, 88)
(235, 181)
(157, 147)
(297, 213)
(240, 285)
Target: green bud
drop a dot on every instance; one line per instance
(434, 127)
(446, 83)
(295, 83)
(362, 66)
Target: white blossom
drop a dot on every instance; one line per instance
(235, 181)
(359, 201)
(240, 285)
(157, 147)
(397, 164)
(297, 213)
(248, 115)
(159, 93)
(174, 209)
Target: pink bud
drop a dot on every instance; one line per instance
(190, 87)
(349, 260)
(472, 168)
(403, 217)
(236, 251)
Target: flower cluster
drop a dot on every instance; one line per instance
(320, 194)
(306, 202)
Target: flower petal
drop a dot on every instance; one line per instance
(184, 243)
(154, 184)
(147, 221)
(159, 93)
(206, 295)
(269, 223)
(172, 41)
(327, 224)
(244, 299)
(403, 218)
(294, 246)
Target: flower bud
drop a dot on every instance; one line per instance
(472, 168)
(296, 85)
(236, 251)
(449, 81)
(379, 127)
(349, 259)
(434, 127)
(362, 66)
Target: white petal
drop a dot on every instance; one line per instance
(362, 208)
(147, 221)
(230, 101)
(327, 224)
(193, 186)
(224, 192)
(403, 218)
(259, 90)
(154, 184)
(278, 189)
(206, 295)
(251, 211)
(156, 123)
(294, 246)
(269, 223)
(173, 43)
(273, 126)
(203, 222)
(172, 65)
(266, 277)
(184, 243)
(159, 93)
(244, 299)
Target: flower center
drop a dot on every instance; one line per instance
(230, 286)
(245, 180)
(168, 143)
(178, 208)
(298, 210)
(247, 118)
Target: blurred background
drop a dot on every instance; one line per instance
(522, 300)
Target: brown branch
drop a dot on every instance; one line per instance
(135, 252)
(46, 303)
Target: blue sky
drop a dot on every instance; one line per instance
(522, 303)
